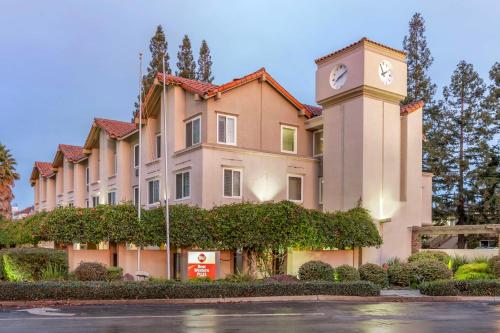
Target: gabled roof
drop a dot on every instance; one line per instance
(72, 153)
(363, 40)
(116, 129)
(41, 168)
(208, 90)
(316, 111)
(409, 108)
(27, 210)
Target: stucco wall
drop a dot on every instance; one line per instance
(75, 257)
(296, 258)
(468, 253)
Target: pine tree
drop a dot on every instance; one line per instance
(204, 72)
(468, 130)
(185, 64)
(158, 46)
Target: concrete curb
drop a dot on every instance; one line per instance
(305, 298)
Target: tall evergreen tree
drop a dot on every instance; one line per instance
(204, 72)
(158, 46)
(185, 61)
(468, 131)
(8, 175)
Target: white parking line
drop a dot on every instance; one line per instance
(228, 315)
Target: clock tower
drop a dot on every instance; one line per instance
(365, 140)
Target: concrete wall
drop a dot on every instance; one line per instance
(468, 253)
(75, 257)
(296, 258)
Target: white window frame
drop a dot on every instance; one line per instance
(149, 201)
(314, 143)
(135, 195)
(192, 131)
(98, 201)
(241, 183)
(158, 152)
(288, 176)
(321, 183)
(115, 162)
(87, 178)
(175, 181)
(136, 162)
(112, 193)
(235, 129)
(294, 139)
(87, 203)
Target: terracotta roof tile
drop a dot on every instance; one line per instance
(44, 168)
(196, 87)
(362, 40)
(412, 107)
(114, 128)
(316, 111)
(28, 210)
(72, 153)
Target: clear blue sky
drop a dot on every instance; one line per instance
(62, 63)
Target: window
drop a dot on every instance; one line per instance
(158, 146)
(226, 129)
(321, 190)
(95, 200)
(232, 183)
(295, 188)
(70, 204)
(153, 192)
(288, 139)
(87, 203)
(136, 196)
(487, 244)
(87, 178)
(182, 185)
(136, 156)
(111, 198)
(193, 132)
(318, 143)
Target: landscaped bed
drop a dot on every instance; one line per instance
(30, 291)
(461, 288)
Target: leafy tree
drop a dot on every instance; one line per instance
(468, 131)
(158, 46)
(8, 175)
(204, 72)
(185, 61)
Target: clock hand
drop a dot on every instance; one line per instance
(343, 73)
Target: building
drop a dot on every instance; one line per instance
(18, 214)
(250, 139)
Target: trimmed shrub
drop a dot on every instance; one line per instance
(461, 288)
(200, 280)
(91, 271)
(239, 277)
(316, 270)
(373, 273)
(457, 261)
(429, 270)
(344, 273)
(474, 271)
(147, 290)
(400, 274)
(282, 278)
(430, 255)
(114, 274)
(28, 264)
(494, 264)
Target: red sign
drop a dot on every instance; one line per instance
(202, 265)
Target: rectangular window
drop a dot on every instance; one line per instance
(153, 192)
(112, 198)
(295, 188)
(70, 204)
(193, 132)
(288, 139)
(226, 129)
(115, 159)
(183, 185)
(87, 178)
(136, 156)
(232, 183)
(95, 200)
(87, 203)
(136, 196)
(158, 146)
(321, 190)
(318, 143)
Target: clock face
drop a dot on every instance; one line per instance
(385, 72)
(338, 76)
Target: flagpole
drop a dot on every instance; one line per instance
(165, 187)
(140, 158)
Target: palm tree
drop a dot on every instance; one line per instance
(8, 175)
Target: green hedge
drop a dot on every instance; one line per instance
(252, 226)
(461, 288)
(474, 271)
(29, 264)
(316, 270)
(10, 291)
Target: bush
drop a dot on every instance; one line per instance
(400, 274)
(461, 288)
(239, 277)
(429, 270)
(344, 273)
(28, 264)
(373, 273)
(494, 264)
(54, 273)
(430, 255)
(282, 278)
(458, 261)
(474, 271)
(316, 270)
(200, 280)
(114, 274)
(91, 271)
(10, 291)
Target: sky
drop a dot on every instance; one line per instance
(62, 63)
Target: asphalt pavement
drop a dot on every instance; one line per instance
(258, 317)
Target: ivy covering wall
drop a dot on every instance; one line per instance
(250, 226)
